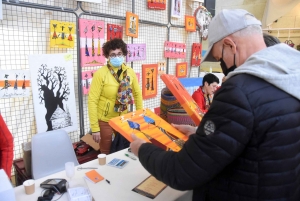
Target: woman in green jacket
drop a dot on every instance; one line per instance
(111, 91)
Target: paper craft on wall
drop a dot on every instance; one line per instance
(87, 77)
(176, 8)
(196, 54)
(150, 127)
(136, 52)
(149, 80)
(53, 92)
(91, 41)
(62, 34)
(132, 24)
(203, 18)
(162, 68)
(183, 97)
(114, 31)
(190, 23)
(14, 83)
(157, 4)
(181, 69)
(174, 50)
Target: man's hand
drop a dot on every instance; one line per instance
(185, 129)
(96, 137)
(135, 145)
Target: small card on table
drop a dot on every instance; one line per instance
(94, 176)
(118, 163)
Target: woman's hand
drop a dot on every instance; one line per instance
(96, 137)
(185, 129)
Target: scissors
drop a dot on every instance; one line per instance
(81, 168)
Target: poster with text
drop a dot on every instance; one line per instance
(91, 42)
(14, 83)
(53, 92)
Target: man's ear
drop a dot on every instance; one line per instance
(229, 42)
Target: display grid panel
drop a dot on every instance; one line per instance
(22, 34)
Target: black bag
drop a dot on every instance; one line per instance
(119, 143)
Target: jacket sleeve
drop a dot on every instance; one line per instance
(220, 138)
(137, 93)
(199, 99)
(93, 101)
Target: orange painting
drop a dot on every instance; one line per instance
(181, 69)
(149, 80)
(132, 24)
(190, 23)
(149, 127)
(184, 98)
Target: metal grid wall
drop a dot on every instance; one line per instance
(25, 30)
(108, 7)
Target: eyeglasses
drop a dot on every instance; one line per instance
(116, 55)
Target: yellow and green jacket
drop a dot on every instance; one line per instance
(103, 93)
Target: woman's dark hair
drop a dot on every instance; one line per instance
(270, 40)
(210, 78)
(114, 44)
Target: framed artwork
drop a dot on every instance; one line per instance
(203, 18)
(14, 83)
(62, 34)
(53, 92)
(174, 50)
(87, 77)
(114, 31)
(150, 127)
(181, 69)
(190, 23)
(132, 24)
(149, 80)
(162, 68)
(157, 4)
(91, 41)
(183, 97)
(196, 54)
(136, 52)
(176, 8)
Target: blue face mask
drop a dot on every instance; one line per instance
(117, 61)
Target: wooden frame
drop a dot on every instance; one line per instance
(132, 24)
(190, 23)
(181, 69)
(149, 80)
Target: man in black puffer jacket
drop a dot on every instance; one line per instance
(247, 146)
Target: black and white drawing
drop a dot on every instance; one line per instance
(53, 92)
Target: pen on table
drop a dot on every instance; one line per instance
(107, 181)
(133, 158)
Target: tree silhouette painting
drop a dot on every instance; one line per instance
(53, 91)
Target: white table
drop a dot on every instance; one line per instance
(122, 181)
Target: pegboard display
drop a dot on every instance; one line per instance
(25, 30)
(110, 7)
(64, 4)
(154, 37)
(144, 13)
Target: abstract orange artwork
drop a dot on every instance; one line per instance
(190, 23)
(150, 127)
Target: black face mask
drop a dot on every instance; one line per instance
(224, 67)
